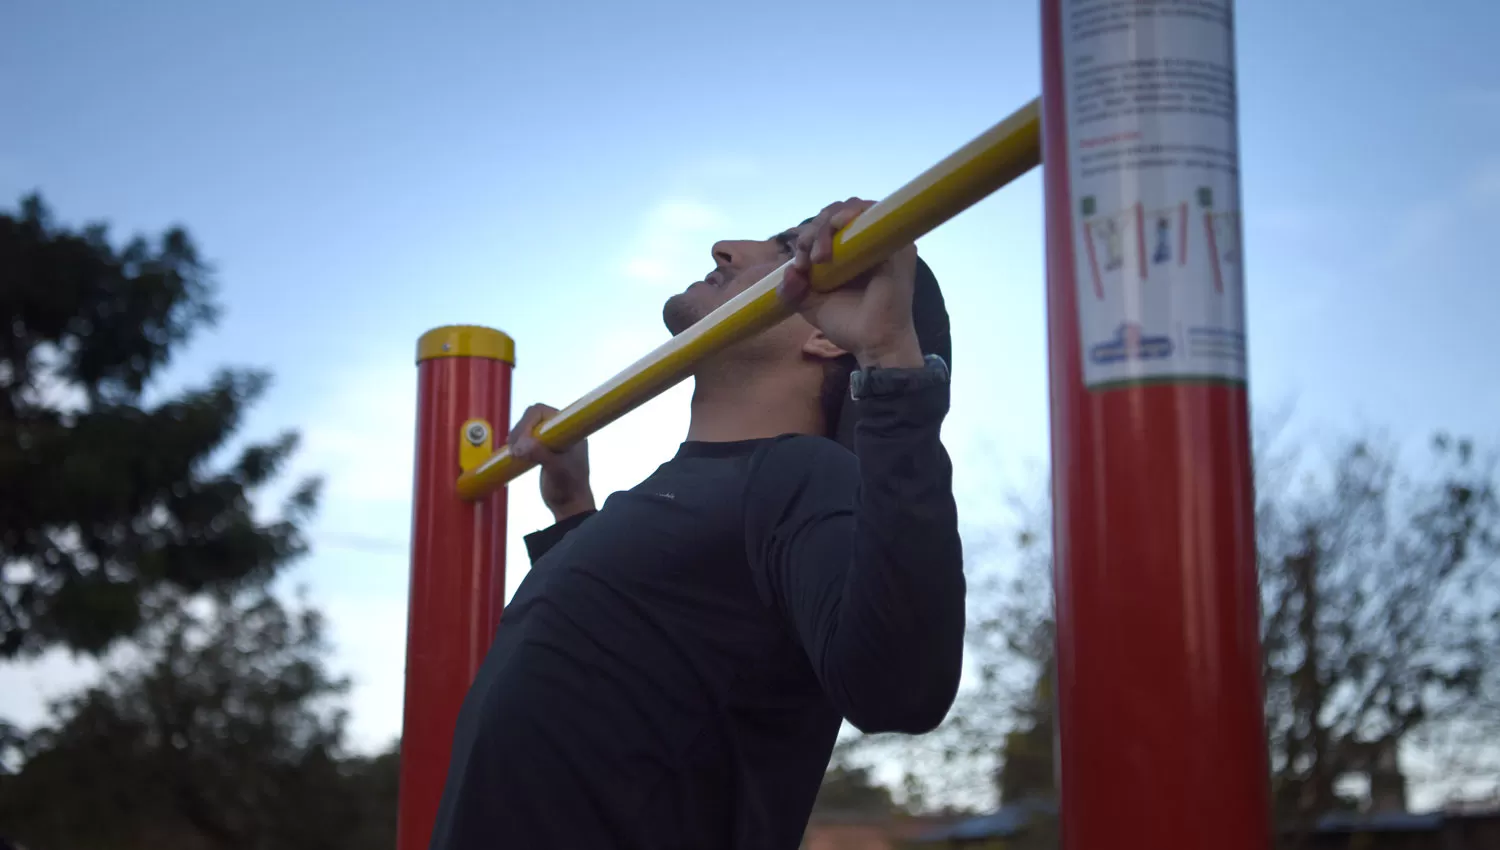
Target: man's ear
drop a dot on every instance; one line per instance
(821, 347)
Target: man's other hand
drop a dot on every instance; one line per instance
(565, 474)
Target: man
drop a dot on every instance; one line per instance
(673, 670)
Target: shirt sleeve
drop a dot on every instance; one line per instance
(539, 542)
(861, 554)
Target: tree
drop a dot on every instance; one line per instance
(852, 789)
(996, 743)
(1381, 621)
(111, 494)
(1027, 769)
(1381, 625)
(224, 734)
(371, 786)
(1013, 640)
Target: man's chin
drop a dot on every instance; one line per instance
(677, 314)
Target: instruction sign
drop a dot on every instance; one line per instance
(1154, 172)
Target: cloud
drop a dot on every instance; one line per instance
(369, 637)
(1282, 221)
(360, 440)
(1421, 228)
(1484, 184)
(671, 247)
(714, 170)
(1433, 228)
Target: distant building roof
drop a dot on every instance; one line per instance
(1006, 822)
(1380, 822)
(1013, 819)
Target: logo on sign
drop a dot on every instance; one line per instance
(1131, 343)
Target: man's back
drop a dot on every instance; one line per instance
(642, 690)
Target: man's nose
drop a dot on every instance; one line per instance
(729, 253)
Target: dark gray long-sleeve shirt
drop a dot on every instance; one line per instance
(672, 672)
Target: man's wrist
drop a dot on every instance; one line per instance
(877, 382)
(572, 509)
(905, 352)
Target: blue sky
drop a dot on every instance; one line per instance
(360, 172)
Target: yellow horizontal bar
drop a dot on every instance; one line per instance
(998, 156)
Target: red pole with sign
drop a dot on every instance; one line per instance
(1161, 740)
(457, 556)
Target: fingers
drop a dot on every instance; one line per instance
(814, 245)
(522, 442)
(822, 251)
(793, 287)
(806, 235)
(815, 239)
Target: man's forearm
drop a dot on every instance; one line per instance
(903, 352)
(901, 619)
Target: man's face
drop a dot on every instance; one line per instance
(732, 259)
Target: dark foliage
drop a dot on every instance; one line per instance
(224, 734)
(112, 490)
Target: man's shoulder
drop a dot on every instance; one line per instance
(802, 456)
(796, 476)
(810, 447)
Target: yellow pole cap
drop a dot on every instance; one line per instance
(466, 341)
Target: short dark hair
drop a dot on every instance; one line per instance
(787, 241)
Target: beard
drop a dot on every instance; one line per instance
(684, 309)
(691, 305)
(677, 314)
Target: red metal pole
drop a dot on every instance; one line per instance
(457, 555)
(1161, 743)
